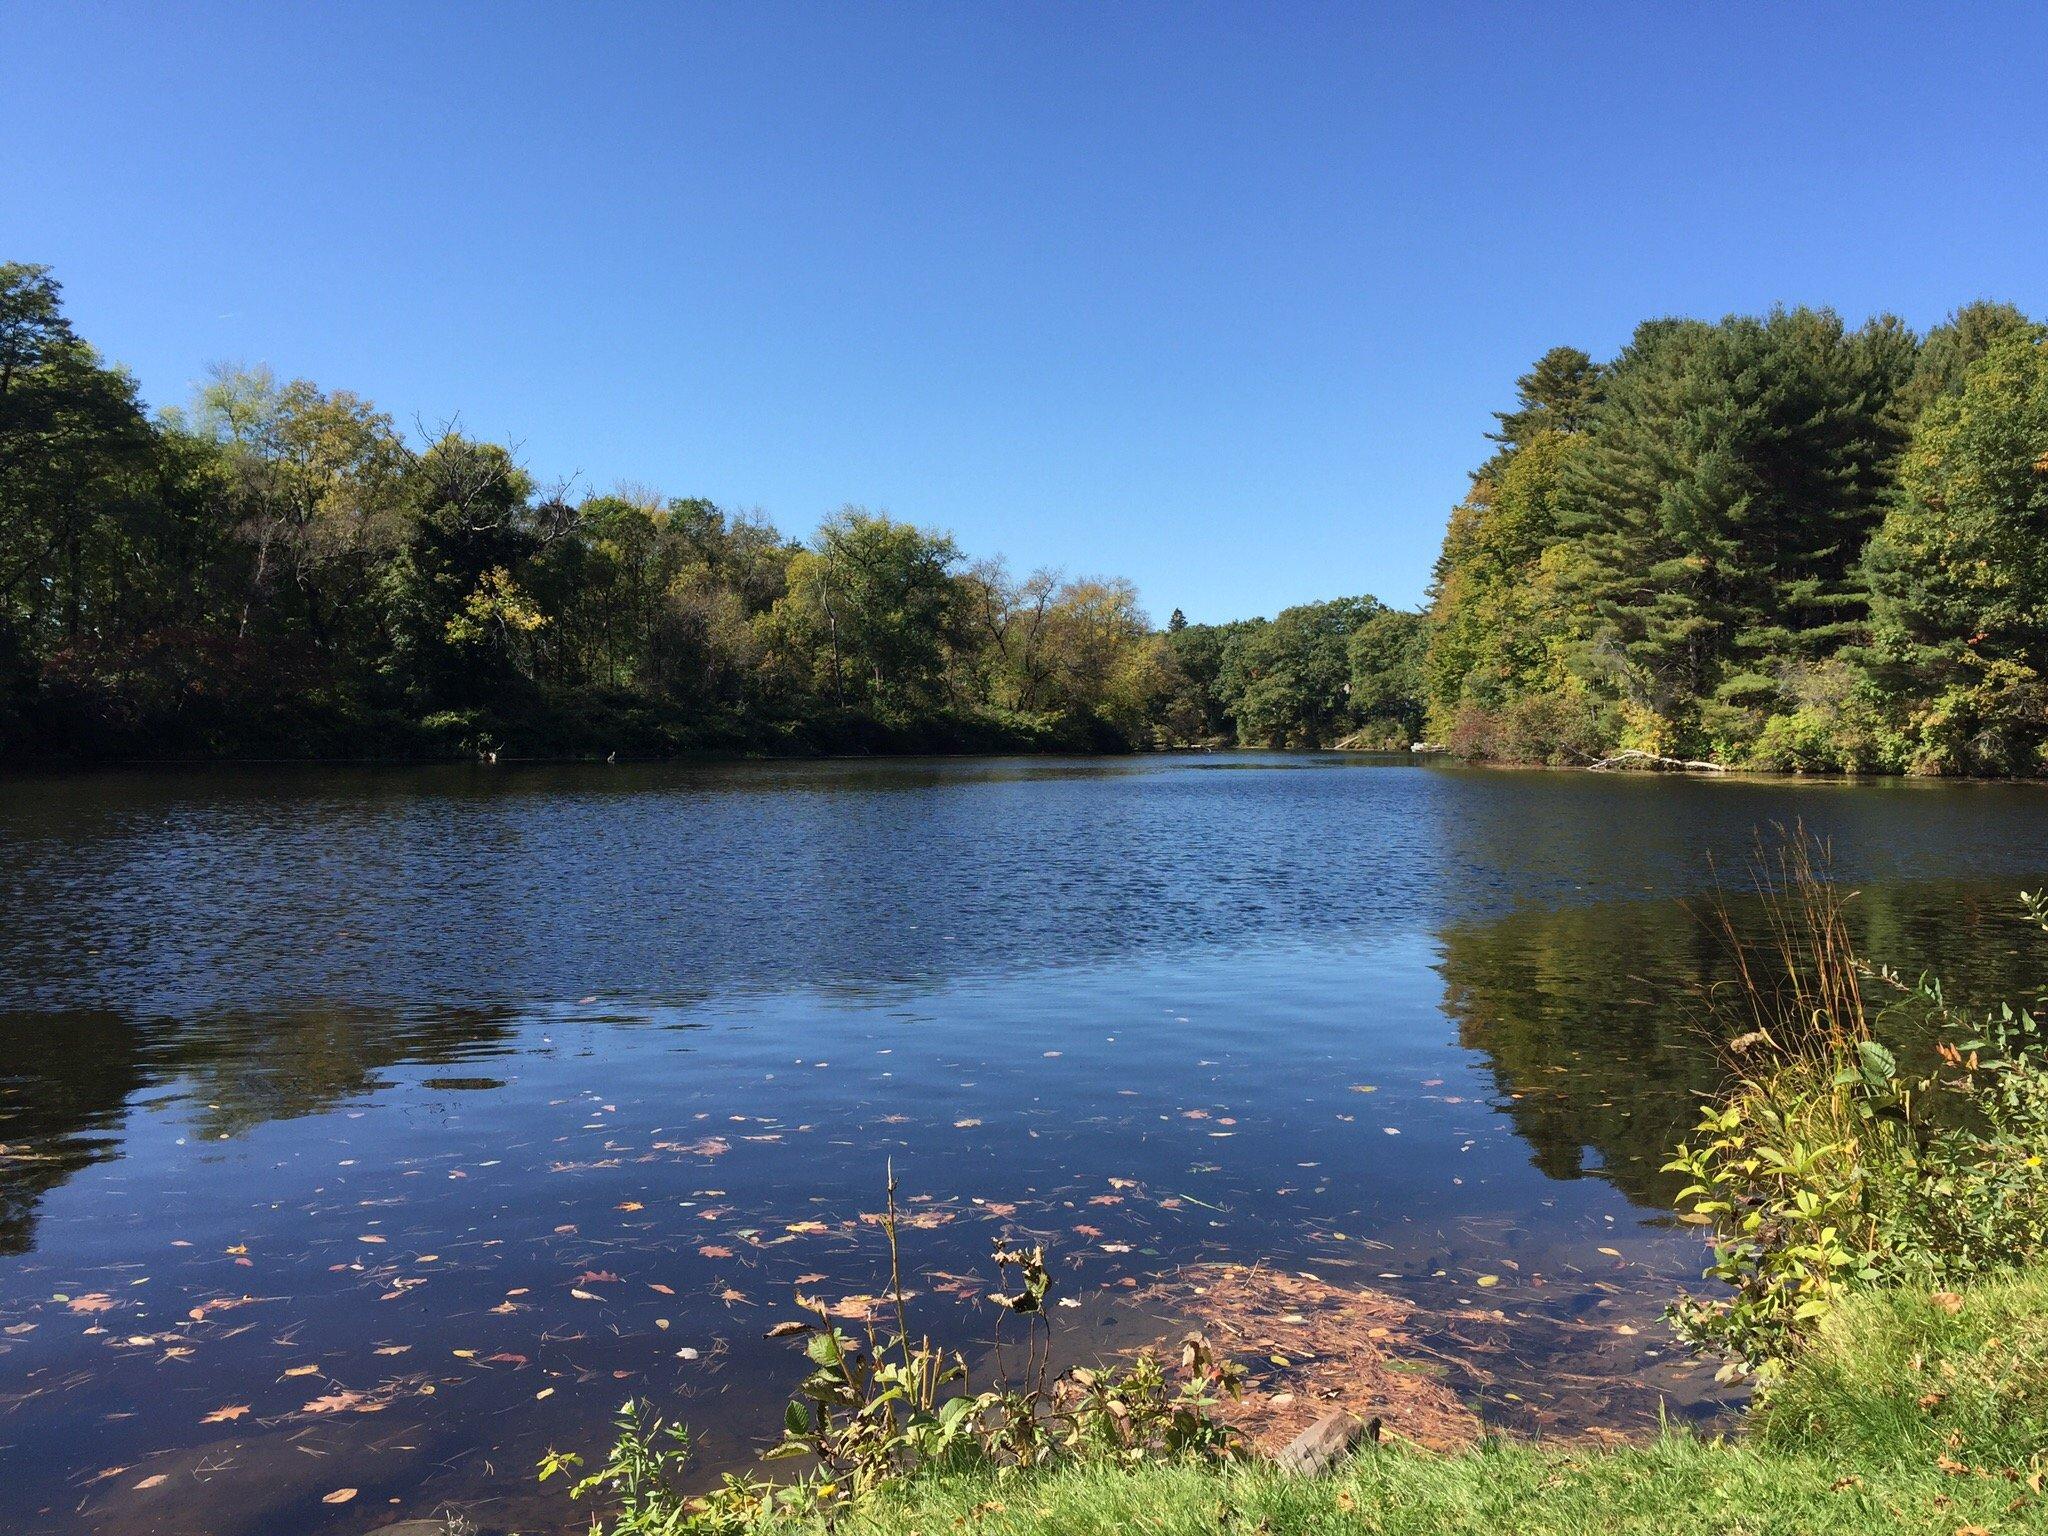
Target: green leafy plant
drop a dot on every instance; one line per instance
(1825, 1169)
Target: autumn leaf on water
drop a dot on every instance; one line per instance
(218, 1304)
(94, 1301)
(370, 1238)
(583, 1295)
(656, 1285)
(596, 1277)
(705, 1146)
(339, 1496)
(631, 1205)
(152, 1480)
(710, 1251)
(226, 1415)
(346, 1401)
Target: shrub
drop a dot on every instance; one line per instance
(1825, 1170)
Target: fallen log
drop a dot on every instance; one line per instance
(1654, 760)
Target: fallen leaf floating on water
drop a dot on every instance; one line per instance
(631, 1205)
(339, 1496)
(218, 1304)
(308, 1370)
(95, 1301)
(152, 1480)
(346, 1401)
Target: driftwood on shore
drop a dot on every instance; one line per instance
(1654, 761)
(1326, 1442)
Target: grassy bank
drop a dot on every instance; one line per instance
(1904, 1417)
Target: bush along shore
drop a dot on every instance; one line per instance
(1878, 1274)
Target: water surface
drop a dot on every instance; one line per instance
(380, 1128)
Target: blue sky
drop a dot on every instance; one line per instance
(1217, 298)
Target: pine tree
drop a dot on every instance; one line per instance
(1731, 476)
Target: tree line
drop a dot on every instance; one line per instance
(1772, 542)
(1769, 542)
(275, 569)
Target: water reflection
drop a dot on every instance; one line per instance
(1598, 1023)
(60, 1110)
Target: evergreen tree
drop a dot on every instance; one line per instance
(1730, 478)
(1558, 395)
(1960, 571)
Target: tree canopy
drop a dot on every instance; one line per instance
(1774, 542)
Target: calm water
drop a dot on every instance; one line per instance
(376, 1129)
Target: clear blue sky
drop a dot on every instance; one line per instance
(1217, 298)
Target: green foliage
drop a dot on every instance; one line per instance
(1775, 542)
(275, 569)
(1960, 571)
(1828, 1170)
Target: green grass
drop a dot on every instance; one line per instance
(1904, 1418)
